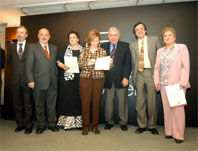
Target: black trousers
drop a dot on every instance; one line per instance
(23, 105)
(45, 106)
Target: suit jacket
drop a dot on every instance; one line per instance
(39, 69)
(179, 68)
(122, 65)
(153, 45)
(17, 66)
(2, 61)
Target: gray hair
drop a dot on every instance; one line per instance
(113, 29)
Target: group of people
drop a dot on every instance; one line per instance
(39, 70)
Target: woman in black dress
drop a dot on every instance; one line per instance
(69, 104)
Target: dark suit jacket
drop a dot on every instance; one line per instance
(39, 69)
(17, 66)
(122, 65)
(153, 45)
(2, 61)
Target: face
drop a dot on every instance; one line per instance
(73, 39)
(169, 38)
(44, 36)
(21, 34)
(140, 31)
(95, 42)
(114, 36)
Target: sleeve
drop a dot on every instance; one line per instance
(2, 58)
(156, 75)
(185, 66)
(29, 65)
(9, 55)
(83, 61)
(127, 63)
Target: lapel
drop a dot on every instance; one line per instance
(41, 50)
(136, 47)
(175, 51)
(108, 49)
(149, 44)
(25, 51)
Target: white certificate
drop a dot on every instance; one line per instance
(72, 63)
(102, 63)
(176, 97)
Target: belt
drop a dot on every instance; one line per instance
(147, 68)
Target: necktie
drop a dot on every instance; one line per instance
(113, 52)
(141, 58)
(48, 55)
(20, 50)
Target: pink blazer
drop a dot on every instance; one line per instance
(179, 68)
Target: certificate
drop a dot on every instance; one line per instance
(72, 63)
(176, 97)
(102, 63)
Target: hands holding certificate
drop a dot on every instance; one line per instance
(103, 63)
(63, 66)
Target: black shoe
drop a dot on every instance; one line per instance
(19, 128)
(140, 130)
(124, 127)
(168, 137)
(178, 141)
(108, 126)
(153, 131)
(28, 131)
(40, 130)
(54, 129)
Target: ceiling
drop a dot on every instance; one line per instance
(11, 10)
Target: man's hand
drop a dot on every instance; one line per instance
(31, 85)
(125, 82)
(157, 87)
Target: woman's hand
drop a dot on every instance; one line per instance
(91, 62)
(63, 66)
(157, 87)
(181, 87)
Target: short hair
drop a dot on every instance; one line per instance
(171, 29)
(26, 31)
(92, 34)
(114, 28)
(73, 32)
(138, 23)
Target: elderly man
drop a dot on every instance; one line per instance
(117, 79)
(41, 73)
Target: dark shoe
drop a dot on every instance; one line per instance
(95, 131)
(54, 129)
(108, 126)
(168, 137)
(140, 130)
(28, 131)
(40, 130)
(153, 131)
(124, 127)
(85, 132)
(178, 141)
(19, 128)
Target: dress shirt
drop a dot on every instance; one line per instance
(44, 48)
(23, 46)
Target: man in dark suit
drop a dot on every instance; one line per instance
(2, 62)
(21, 93)
(143, 53)
(42, 77)
(117, 79)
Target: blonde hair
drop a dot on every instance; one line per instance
(92, 34)
(171, 29)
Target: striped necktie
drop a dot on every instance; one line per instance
(141, 58)
(113, 52)
(20, 50)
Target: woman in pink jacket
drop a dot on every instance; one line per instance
(172, 67)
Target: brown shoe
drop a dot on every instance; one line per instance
(95, 131)
(85, 132)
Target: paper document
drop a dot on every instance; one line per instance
(72, 63)
(176, 97)
(102, 63)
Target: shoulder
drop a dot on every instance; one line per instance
(133, 44)
(181, 46)
(52, 46)
(152, 37)
(106, 44)
(123, 43)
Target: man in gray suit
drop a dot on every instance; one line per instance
(20, 92)
(143, 53)
(41, 73)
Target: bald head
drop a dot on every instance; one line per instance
(44, 35)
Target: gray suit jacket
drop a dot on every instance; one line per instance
(153, 46)
(17, 66)
(39, 69)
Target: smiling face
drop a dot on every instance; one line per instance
(73, 39)
(44, 35)
(140, 31)
(169, 38)
(114, 36)
(21, 34)
(95, 42)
